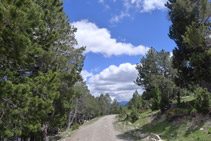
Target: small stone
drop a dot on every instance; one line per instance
(201, 129)
(154, 137)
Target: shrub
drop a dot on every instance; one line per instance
(75, 126)
(176, 112)
(134, 114)
(128, 117)
(193, 112)
(122, 112)
(202, 100)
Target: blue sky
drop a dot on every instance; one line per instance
(117, 34)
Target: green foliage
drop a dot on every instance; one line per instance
(136, 101)
(105, 103)
(202, 100)
(176, 112)
(75, 126)
(115, 107)
(134, 115)
(190, 30)
(39, 67)
(156, 99)
(88, 106)
(123, 112)
(147, 67)
(194, 35)
(156, 70)
(155, 64)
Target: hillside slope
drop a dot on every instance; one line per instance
(190, 128)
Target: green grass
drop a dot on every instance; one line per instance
(144, 118)
(185, 99)
(197, 136)
(164, 128)
(172, 130)
(178, 130)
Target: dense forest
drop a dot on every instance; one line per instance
(42, 91)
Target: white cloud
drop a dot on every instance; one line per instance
(118, 18)
(171, 54)
(146, 5)
(140, 6)
(99, 40)
(150, 5)
(85, 74)
(118, 81)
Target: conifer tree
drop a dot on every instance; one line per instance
(39, 67)
(190, 30)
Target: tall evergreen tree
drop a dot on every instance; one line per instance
(105, 103)
(115, 107)
(190, 30)
(39, 67)
(156, 70)
(136, 101)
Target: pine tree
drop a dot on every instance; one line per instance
(115, 107)
(19, 24)
(202, 100)
(136, 101)
(156, 70)
(39, 67)
(190, 30)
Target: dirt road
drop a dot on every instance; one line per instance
(101, 130)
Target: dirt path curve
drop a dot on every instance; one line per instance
(101, 130)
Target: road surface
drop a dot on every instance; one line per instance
(101, 130)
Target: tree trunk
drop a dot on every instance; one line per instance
(44, 132)
(70, 121)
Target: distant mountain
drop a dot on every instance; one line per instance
(123, 103)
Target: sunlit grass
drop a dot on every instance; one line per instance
(171, 130)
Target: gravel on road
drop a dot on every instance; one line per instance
(101, 130)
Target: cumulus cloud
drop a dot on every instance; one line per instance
(85, 74)
(99, 40)
(118, 81)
